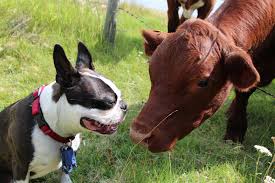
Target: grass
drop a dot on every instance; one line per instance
(28, 32)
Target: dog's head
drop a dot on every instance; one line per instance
(85, 99)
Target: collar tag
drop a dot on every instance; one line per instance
(68, 157)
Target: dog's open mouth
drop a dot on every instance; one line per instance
(96, 126)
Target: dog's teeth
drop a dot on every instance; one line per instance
(113, 127)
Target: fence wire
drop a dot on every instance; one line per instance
(128, 12)
(138, 18)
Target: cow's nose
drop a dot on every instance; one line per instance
(138, 133)
(123, 105)
(139, 138)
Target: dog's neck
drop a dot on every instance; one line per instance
(58, 114)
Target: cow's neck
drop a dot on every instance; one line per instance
(246, 22)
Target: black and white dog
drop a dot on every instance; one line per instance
(33, 129)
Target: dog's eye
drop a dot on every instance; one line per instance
(110, 101)
(203, 83)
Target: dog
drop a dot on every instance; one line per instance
(33, 129)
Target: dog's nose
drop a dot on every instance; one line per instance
(123, 105)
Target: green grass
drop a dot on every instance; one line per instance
(28, 32)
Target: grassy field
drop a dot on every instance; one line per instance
(28, 31)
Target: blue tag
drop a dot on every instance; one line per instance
(68, 159)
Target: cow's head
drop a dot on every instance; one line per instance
(191, 72)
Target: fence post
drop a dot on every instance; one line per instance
(110, 21)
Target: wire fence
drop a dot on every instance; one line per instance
(136, 17)
(110, 27)
(121, 9)
(114, 7)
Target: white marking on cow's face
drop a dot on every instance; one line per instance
(187, 13)
(64, 118)
(197, 5)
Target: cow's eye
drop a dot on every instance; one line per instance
(203, 83)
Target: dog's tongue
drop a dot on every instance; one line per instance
(90, 124)
(97, 127)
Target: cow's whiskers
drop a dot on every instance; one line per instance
(145, 136)
(153, 129)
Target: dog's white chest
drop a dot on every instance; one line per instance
(46, 157)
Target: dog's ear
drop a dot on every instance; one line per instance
(84, 58)
(65, 73)
(240, 70)
(152, 40)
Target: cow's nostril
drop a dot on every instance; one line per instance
(147, 139)
(123, 106)
(140, 138)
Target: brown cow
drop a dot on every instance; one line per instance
(204, 7)
(193, 70)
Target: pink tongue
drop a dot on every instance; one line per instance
(89, 125)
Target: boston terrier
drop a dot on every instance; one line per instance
(35, 128)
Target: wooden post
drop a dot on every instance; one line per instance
(110, 21)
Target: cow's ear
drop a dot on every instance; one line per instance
(152, 39)
(240, 70)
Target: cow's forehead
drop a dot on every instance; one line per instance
(180, 50)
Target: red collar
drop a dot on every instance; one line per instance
(39, 118)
